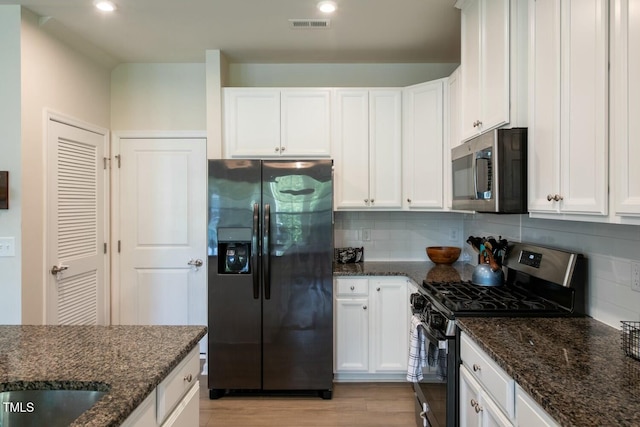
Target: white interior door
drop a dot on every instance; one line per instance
(162, 223)
(76, 226)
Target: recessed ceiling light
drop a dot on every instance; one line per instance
(327, 6)
(105, 5)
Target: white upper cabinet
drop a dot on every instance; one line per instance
(485, 59)
(367, 148)
(568, 110)
(266, 122)
(423, 146)
(493, 72)
(625, 107)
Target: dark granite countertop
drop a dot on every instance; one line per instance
(127, 361)
(574, 368)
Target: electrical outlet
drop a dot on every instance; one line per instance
(7, 246)
(366, 234)
(453, 234)
(635, 276)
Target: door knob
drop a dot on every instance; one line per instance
(195, 262)
(58, 269)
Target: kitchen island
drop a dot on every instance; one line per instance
(128, 362)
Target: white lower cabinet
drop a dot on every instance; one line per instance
(175, 401)
(488, 396)
(371, 328)
(476, 405)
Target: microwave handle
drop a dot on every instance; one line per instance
(474, 174)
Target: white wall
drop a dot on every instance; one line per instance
(10, 152)
(158, 97)
(397, 236)
(609, 250)
(55, 77)
(344, 75)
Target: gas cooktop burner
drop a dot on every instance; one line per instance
(466, 297)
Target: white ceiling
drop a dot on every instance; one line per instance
(258, 31)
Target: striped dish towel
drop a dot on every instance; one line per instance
(417, 351)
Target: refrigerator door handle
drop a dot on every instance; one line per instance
(266, 252)
(254, 252)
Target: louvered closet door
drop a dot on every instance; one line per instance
(76, 226)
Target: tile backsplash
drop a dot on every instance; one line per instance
(610, 249)
(397, 236)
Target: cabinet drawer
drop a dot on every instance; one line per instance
(346, 287)
(492, 377)
(176, 385)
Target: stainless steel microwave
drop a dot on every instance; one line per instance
(489, 172)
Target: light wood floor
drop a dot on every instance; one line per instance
(352, 405)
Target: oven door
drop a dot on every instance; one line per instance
(431, 393)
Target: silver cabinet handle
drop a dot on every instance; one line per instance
(473, 403)
(372, 201)
(188, 378)
(378, 289)
(366, 201)
(364, 307)
(277, 149)
(195, 262)
(554, 197)
(476, 367)
(408, 200)
(58, 269)
(352, 288)
(282, 149)
(478, 408)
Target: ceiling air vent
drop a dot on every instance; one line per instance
(311, 24)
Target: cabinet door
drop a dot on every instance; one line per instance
(470, 74)
(494, 63)
(476, 407)
(584, 106)
(423, 145)
(352, 334)
(544, 104)
(385, 148)
(252, 122)
(351, 149)
(306, 123)
(625, 106)
(389, 335)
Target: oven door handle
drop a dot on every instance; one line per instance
(440, 344)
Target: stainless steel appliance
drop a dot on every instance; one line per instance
(540, 281)
(489, 172)
(270, 247)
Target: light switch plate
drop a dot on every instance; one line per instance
(7, 246)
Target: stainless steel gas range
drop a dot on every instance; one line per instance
(540, 282)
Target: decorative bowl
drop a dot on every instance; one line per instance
(443, 254)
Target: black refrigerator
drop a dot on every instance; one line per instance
(270, 303)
